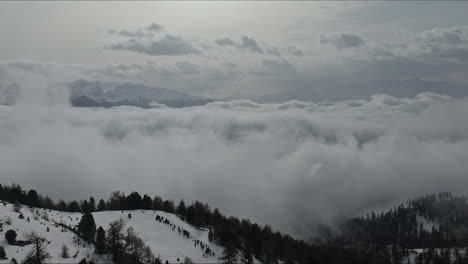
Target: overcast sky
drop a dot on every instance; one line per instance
(241, 48)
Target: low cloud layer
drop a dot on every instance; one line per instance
(291, 165)
(168, 45)
(343, 40)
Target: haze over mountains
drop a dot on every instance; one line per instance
(397, 88)
(96, 93)
(87, 93)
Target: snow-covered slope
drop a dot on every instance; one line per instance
(131, 93)
(164, 239)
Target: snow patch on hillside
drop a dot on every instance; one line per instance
(165, 240)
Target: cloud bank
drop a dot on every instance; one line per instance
(291, 165)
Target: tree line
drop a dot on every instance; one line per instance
(387, 237)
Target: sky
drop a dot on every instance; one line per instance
(243, 49)
(293, 164)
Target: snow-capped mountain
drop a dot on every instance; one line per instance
(87, 93)
(163, 237)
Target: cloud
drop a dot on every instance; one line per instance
(295, 51)
(168, 45)
(247, 43)
(127, 33)
(450, 43)
(225, 42)
(275, 67)
(147, 31)
(290, 165)
(187, 67)
(448, 35)
(343, 40)
(154, 27)
(251, 44)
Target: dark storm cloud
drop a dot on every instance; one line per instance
(166, 45)
(343, 40)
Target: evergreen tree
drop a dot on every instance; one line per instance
(87, 227)
(229, 255)
(62, 206)
(100, 240)
(168, 206)
(65, 253)
(74, 207)
(92, 204)
(180, 210)
(10, 236)
(134, 201)
(33, 198)
(101, 205)
(247, 255)
(157, 203)
(2, 253)
(85, 207)
(147, 202)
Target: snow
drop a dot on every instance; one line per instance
(168, 243)
(133, 92)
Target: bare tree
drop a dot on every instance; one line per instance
(115, 238)
(134, 245)
(38, 253)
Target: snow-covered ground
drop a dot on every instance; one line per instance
(164, 239)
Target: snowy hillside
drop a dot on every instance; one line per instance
(163, 237)
(130, 94)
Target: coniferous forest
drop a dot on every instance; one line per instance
(428, 229)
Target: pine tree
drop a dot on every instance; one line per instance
(64, 253)
(147, 202)
(87, 227)
(100, 240)
(92, 204)
(10, 236)
(247, 256)
(157, 203)
(33, 198)
(180, 210)
(101, 205)
(85, 207)
(229, 255)
(2, 253)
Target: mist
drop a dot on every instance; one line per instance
(291, 165)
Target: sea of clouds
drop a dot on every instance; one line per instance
(291, 165)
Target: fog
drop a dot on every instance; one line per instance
(291, 165)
